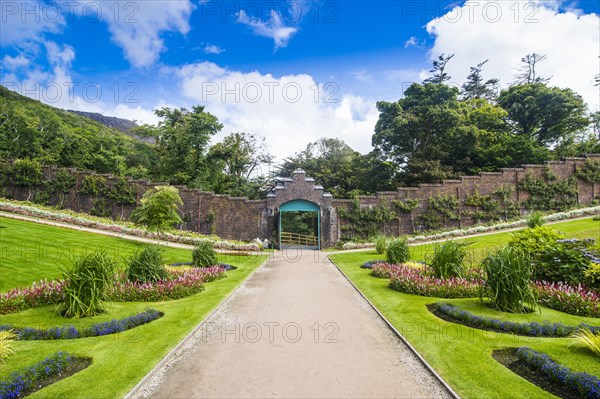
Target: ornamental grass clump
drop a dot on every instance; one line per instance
(147, 265)
(535, 219)
(397, 251)
(204, 255)
(589, 339)
(448, 259)
(381, 244)
(507, 281)
(88, 281)
(6, 344)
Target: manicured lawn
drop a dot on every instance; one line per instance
(462, 355)
(121, 360)
(30, 251)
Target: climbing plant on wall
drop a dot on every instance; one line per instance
(510, 208)
(486, 208)
(27, 173)
(408, 206)
(549, 193)
(62, 183)
(590, 173)
(441, 209)
(366, 221)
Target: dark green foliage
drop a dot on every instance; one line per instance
(535, 219)
(549, 194)
(365, 222)
(590, 171)
(26, 172)
(398, 251)
(204, 255)
(159, 209)
(42, 197)
(299, 223)
(448, 259)
(147, 265)
(441, 210)
(485, 207)
(100, 207)
(88, 280)
(508, 274)
(94, 185)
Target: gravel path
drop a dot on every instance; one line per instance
(295, 328)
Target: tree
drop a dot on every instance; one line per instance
(476, 88)
(238, 160)
(27, 173)
(159, 209)
(528, 73)
(439, 70)
(182, 138)
(547, 114)
(414, 132)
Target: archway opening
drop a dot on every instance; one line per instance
(300, 225)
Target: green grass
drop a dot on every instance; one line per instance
(120, 360)
(462, 355)
(30, 251)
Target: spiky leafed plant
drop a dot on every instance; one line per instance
(397, 251)
(381, 244)
(147, 265)
(508, 274)
(7, 338)
(87, 282)
(588, 339)
(204, 255)
(449, 259)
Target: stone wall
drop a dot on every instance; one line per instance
(243, 219)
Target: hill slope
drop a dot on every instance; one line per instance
(31, 129)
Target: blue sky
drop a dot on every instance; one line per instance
(291, 71)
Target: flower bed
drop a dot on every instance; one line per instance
(583, 385)
(417, 281)
(483, 229)
(81, 219)
(96, 330)
(576, 300)
(22, 383)
(533, 329)
(181, 283)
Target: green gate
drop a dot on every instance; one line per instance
(291, 239)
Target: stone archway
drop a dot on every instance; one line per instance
(299, 210)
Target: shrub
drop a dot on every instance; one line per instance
(43, 292)
(590, 339)
(535, 240)
(448, 259)
(398, 252)
(535, 219)
(147, 265)
(88, 280)
(592, 275)
(204, 255)
(584, 385)
(508, 277)
(381, 244)
(7, 338)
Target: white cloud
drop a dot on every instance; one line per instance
(414, 42)
(275, 28)
(26, 22)
(14, 63)
(289, 111)
(137, 26)
(504, 32)
(212, 49)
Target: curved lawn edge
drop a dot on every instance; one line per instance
(30, 379)
(455, 314)
(96, 330)
(539, 369)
